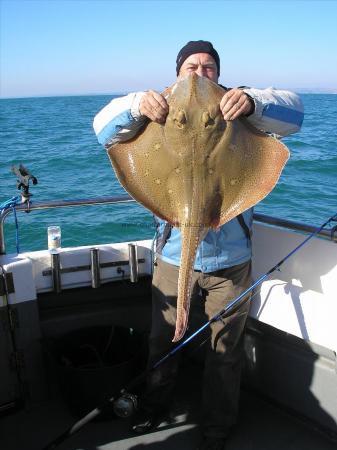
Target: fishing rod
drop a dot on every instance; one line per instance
(124, 404)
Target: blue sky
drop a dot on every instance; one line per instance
(56, 47)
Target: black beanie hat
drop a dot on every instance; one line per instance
(197, 47)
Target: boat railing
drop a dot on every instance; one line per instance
(330, 234)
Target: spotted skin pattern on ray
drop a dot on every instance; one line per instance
(197, 171)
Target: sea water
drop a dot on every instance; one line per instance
(53, 137)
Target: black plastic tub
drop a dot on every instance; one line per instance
(94, 364)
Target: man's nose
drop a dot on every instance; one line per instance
(200, 71)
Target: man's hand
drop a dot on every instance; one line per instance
(154, 106)
(236, 103)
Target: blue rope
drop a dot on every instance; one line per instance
(12, 203)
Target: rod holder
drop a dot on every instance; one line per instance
(133, 262)
(95, 268)
(55, 272)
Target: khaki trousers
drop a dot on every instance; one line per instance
(211, 292)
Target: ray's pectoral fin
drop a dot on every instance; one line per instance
(254, 162)
(143, 166)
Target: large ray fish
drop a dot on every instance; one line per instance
(197, 171)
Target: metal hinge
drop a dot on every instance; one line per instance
(6, 283)
(9, 319)
(4, 320)
(13, 318)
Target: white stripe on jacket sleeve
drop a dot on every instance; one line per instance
(276, 111)
(119, 120)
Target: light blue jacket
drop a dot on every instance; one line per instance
(225, 247)
(276, 111)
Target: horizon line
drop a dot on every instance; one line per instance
(298, 90)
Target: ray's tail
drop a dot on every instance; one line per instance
(191, 237)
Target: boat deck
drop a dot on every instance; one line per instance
(262, 426)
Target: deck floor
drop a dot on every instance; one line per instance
(262, 426)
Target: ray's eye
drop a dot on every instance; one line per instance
(180, 119)
(207, 119)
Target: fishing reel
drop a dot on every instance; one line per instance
(125, 405)
(22, 182)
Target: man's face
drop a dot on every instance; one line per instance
(202, 64)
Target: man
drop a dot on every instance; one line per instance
(223, 263)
